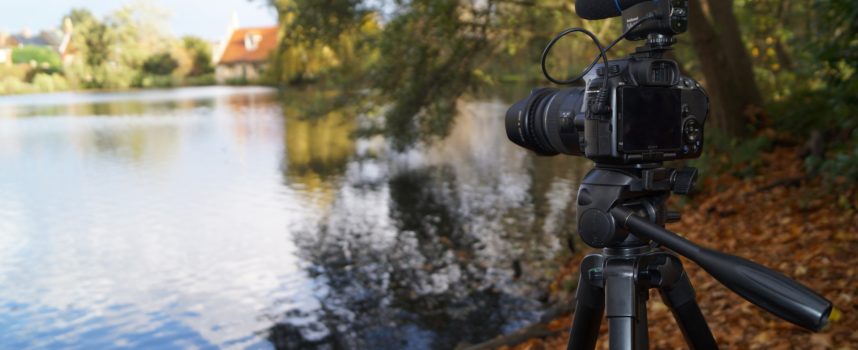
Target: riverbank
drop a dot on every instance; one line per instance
(797, 224)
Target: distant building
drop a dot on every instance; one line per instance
(47, 38)
(245, 53)
(55, 39)
(7, 43)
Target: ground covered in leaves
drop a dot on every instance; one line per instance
(801, 225)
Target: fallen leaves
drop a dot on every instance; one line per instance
(808, 232)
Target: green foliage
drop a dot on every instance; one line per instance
(201, 56)
(154, 81)
(321, 20)
(424, 57)
(724, 154)
(841, 164)
(91, 38)
(40, 83)
(331, 41)
(237, 81)
(806, 55)
(160, 64)
(131, 48)
(126, 48)
(40, 55)
(50, 83)
(201, 80)
(422, 75)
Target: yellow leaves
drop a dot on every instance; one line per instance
(764, 337)
(658, 306)
(836, 316)
(329, 56)
(560, 324)
(822, 340)
(534, 344)
(809, 237)
(846, 236)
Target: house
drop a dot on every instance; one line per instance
(46, 38)
(7, 44)
(55, 39)
(244, 55)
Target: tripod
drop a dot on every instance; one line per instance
(622, 210)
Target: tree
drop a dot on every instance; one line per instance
(92, 40)
(420, 61)
(201, 55)
(725, 64)
(160, 64)
(139, 29)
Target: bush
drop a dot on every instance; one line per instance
(50, 83)
(153, 81)
(200, 52)
(12, 85)
(42, 82)
(43, 56)
(40, 70)
(160, 64)
(14, 71)
(722, 154)
(201, 80)
(840, 166)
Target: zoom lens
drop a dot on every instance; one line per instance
(544, 122)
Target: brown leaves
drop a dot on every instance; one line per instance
(803, 231)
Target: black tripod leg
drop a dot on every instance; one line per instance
(680, 299)
(589, 306)
(642, 330)
(622, 304)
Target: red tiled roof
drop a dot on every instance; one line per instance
(236, 51)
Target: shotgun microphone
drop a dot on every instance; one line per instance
(599, 9)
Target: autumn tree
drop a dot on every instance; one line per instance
(201, 55)
(91, 39)
(417, 64)
(726, 66)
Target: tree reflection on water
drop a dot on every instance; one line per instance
(449, 244)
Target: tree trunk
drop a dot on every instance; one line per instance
(729, 78)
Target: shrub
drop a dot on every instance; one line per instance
(840, 166)
(160, 64)
(38, 54)
(201, 80)
(49, 83)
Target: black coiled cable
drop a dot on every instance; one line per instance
(603, 51)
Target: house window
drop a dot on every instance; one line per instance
(251, 41)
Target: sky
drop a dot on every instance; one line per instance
(204, 18)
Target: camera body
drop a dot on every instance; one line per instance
(654, 114)
(657, 114)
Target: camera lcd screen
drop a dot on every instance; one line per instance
(651, 119)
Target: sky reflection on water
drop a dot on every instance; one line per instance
(218, 217)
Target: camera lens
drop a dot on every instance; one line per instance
(544, 121)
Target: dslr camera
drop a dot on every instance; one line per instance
(636, 110)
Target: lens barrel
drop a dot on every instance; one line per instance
(544, 122)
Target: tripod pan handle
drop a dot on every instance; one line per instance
(762, 286)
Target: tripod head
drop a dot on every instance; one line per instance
(645, 187)
(624, 207)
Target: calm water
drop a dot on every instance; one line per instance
(220, 217)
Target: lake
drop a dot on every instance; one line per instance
(222, 217)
